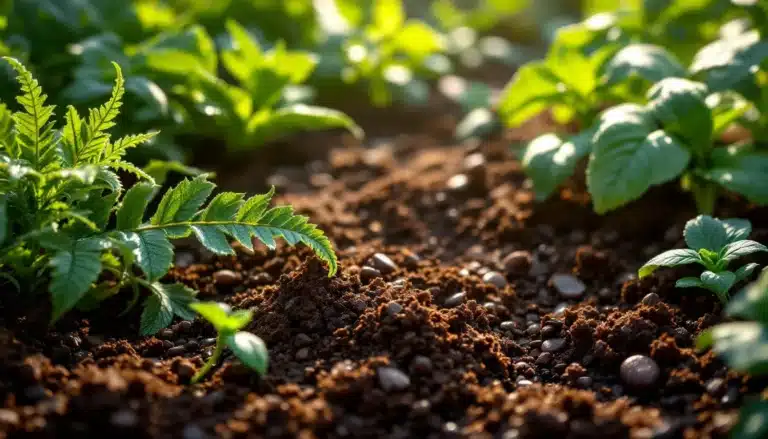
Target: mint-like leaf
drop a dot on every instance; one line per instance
(689, 282)
(647, 61)
(179, 297)
(741, 248)
(745, 271)
(680, 106)
(741, 345)
(153, 252)
(250, 349)
(719, 283)
(549, 160)
(705, 232)
(671, 258)
(740, 169)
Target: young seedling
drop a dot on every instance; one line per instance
(247, 347)
(714, 244)
(743, 345)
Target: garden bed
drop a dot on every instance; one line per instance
(462, 308)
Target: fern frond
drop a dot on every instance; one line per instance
(7, 136)
(102, 119)
(133, 169)
(35, 135)
(115, 151)
(72, 138)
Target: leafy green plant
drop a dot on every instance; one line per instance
(67, 225)
(714, 244)
(743, 345)
(248, 348)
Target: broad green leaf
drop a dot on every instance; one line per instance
(705, 232)
(680, 106)
(736, 229)
(250, 350)
(159, 170)
(418, 41)
(222, 317)
(720, 283)
(752, 302)
(222, 207)
(298, 118)
(3, 217)
(99, 208)
(477, 124)
(689, 282)
(74, 270)
(670, 258)
(388, 18)
(738, 249)
(533, 89)
(742, 345)
(745, 271)
(628, 157)
(726, 63)
(727, 108)
(753, 421)
(213, 238)
(649, 62)
(134, 204)
(180, 204)
(157, 314)
(741, 170)
(549, 160)
(179, 297)
(153, 252)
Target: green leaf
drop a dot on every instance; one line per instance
(179, 296)
(720, 283)
(752, 302)
(213, 238)
(670, 258)
(548, 160)
(159, 170)
(741, 345)
(74, 270)
(72, 138)
(153, 252)
(135, 202)
(738, 249)
(114, 152)
(753, 421)
(680, 106)
(100, 120)
(388, 18)
(297, 118)
(222, 317)
(180, 204)
(629, 156)
(251, 351)
(728, 62)
(736, 229)
(740, 169)
(533, 89)
(745, 271)
(705, 232)
(647, 61)
(727, 108)
(689, 282)
(3, 217)
(157, 314)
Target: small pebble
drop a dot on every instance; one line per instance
(165, 334)
(185, 370)
(124, 419)
(368, 274)
(209, 341)
(651, 299)
(303, 339)
(544, 358)
(175, 351)
(192, 431)
(553, 344)
(383, 263)
(458, 182)
(584, 382)
(192, 346)
(549, 331)
(9, 417)
(225, 277)
(392, 379)
(411, 259)
(455, 300)
(569, 287)
(518, 263)
(716, 387)
(533, 329)
(393, 309)
(524, 383)
(421, 365)
(184, 326)
(495, 278)
(507, 325)
(639, 371)
(302, 354)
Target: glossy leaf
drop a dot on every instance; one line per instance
(740, 344)
(548, 160)
(752, 302)
(680, 106)
(705, 232)
(720, 283)
(134, 204)
(649, 62)
(250, 350)
(670, 258)
(741, 248)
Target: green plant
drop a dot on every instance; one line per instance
(743, 345)
(714, 244)
(247, 347)
(67, 225)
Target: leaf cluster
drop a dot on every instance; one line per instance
(68, 226)
(713, 244)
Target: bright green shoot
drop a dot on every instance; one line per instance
(247, 347)
(714, 244)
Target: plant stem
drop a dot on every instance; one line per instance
(211, 361)
(705, 194)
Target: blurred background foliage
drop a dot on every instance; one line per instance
(243, 72)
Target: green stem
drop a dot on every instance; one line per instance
(211, 361)
(705, 195)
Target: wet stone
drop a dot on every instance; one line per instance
(549, 331)
(507, 325)
(392, 379)
(651, 299)
(518, 263)
(165, 334)
(569, 287)
(175, 351)
(383, 263)
(393, 309)
(455, 300)
(124, 419)
(553, 345)
(302, 354)
(495, 278)
(368, 274)
(584, 382)
(303, 339)
(544, 358)
(421, 365)
(192, 431)
(639, 371)
(184, 326)
(225, 277)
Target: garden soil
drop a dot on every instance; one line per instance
(463, 307)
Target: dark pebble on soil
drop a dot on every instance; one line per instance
(184, 326)
(302, 339)
(584, 382)
(368, 274)
(124, 419)
(507, 325)
(392, 379)
(549, 331)
(455, 300)
(383, 263)
(193, 432)
(302, 354)
(393, 309)
(175, 351)
(569, 286)
(165, 334)
(544, 358)
(496, 279)
(421, 365)
(651, 299)
(639, 371)
(225, 277)
(553, 345)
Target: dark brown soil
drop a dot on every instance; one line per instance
(396, 351)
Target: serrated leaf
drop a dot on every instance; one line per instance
(153, 251)
(740, 169)
(72, 138)
(628, 157)
(736, 229)
(705, 232)
(741, 345)
(745, 271)
(213, 238)
(179, 296)
(180, 204)
(728, 62)
(134, 204)
(114, 152)
(689, 282)
(741, 248)
(680, 106)
(250, 350)
(223, 206)
(100, 120)
(74, 270)
(157, 314)
(752, 302)
(650, 62)
(296, 118)
(533, 89)
(720, 283)
(253, 209)
(670, 258)
(548, 160)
